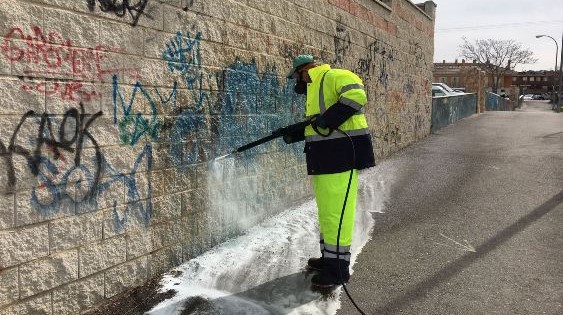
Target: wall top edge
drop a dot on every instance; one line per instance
(421, 10)
(384, 5)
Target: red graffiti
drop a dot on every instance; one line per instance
(66, 90)
(50, 56)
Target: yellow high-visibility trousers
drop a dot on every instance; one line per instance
(330, 191)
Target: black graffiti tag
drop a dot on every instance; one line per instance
(120, 8)
(342, 43)
(46, 138)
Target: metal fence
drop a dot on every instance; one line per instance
(449, 109)
(495, 102)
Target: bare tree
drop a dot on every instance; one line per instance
(496, 56)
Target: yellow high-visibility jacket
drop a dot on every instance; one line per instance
(334, 153)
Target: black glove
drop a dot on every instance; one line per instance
(292, 133)
(293, 138)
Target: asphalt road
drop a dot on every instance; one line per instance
(492, 183)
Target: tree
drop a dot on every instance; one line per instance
(496, 56)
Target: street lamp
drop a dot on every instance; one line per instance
(555, 69)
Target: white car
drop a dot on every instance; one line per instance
(445, 87)
(528, 97)
(440, 91)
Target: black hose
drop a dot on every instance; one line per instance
(342, 218)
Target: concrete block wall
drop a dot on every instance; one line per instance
(112, 113)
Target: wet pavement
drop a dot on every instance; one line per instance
(473, 223)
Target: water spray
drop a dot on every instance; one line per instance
(223, 156)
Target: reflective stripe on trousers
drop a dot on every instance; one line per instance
(330, 190)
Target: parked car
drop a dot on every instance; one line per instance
(445, 87)
(538, 97)
(440, 91)
(528, 97)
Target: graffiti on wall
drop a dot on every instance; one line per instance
(183, 55)
(342, 43)
(243, 92)
(289, 50)
(409, 87)
(136, 123)
(447, 110)
(120, 8)
(68, 164)
(229, 115)
(74, 123)
(416, 50)
(65, 170)
(387, 131)
(376, 61)
(64, 89)
(53, 65)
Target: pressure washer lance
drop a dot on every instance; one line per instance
(275, 134)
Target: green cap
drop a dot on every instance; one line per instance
(298, 62)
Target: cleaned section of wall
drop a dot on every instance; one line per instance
(112, 113)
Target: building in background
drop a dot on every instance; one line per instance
(453, 74)
(535, 82)
(458, 75)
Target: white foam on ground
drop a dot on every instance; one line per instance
(262, 271)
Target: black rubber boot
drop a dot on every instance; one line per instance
(316, 264)
(333, 273)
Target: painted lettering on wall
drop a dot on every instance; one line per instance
(52, 64)
(416, 50)
(376, 61)
(120, 8)
(183, 54)
(67, 161)
(74, 123)
(245, 105)
(136, 123)
(342, 43)
(232, 116)
(68, 90)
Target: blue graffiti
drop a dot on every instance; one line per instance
(248, 105)
(185, 147)
(134, 125)
(260, 99)
(63, 192)
(183, 53)
(134, 202)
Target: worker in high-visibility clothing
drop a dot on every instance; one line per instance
(335, 100)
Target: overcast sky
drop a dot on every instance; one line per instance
(520, 20)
